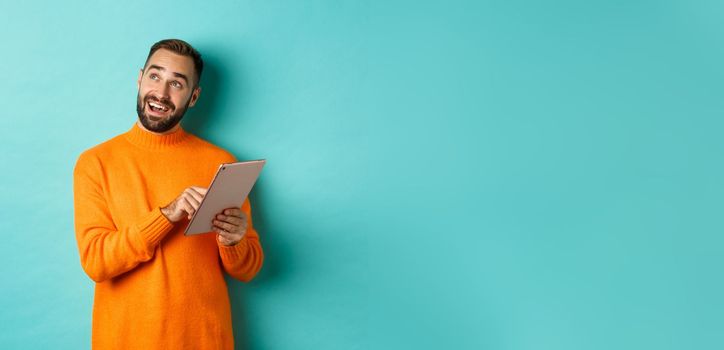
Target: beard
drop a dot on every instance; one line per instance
(153, 123)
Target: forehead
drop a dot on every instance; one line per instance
(173, 62)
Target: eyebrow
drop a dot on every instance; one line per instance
(176, 74)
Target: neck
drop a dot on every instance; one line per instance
(170, 131)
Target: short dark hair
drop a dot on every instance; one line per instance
(182, 48)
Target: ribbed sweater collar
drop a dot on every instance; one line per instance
(149, 140)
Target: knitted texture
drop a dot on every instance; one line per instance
(155, 288)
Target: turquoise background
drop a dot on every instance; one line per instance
(457, 175)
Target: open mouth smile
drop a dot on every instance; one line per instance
(158, 108)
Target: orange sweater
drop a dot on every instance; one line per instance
(155, 288)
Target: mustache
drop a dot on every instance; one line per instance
(166, 102)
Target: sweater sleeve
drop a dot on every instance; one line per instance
(105, 250)
(243, 260)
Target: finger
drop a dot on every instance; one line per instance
(193, 201)
(231, 234)
(226, 226)
(228, 238)
(187, 207)
(228, 235)
(224, 240)
(201, 190)
(193, 194)
(234, 220)
(235, 229)
(241, 218)
(197, 196)
(233, 212)
(221, 234)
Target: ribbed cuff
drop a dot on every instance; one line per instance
(235, 252)
(153, 227)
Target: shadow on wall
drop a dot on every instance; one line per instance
(220, 84)
(199, 119)
(272, 271)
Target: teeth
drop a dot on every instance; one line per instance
(158, 106)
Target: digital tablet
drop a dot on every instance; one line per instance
(229, 188)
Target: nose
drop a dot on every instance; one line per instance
(164, 91)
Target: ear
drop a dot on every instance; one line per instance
(138, 82)
(195, 96)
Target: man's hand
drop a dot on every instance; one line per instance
(230, 226)
(185, 204)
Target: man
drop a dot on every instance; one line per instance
(134, 195)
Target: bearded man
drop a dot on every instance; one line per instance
(133, 196)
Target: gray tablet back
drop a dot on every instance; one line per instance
(228, 189)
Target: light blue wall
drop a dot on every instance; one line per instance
(460, 175)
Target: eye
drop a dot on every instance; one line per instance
(176, 84)
(153, 76)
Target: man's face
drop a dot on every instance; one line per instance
(165, 90)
